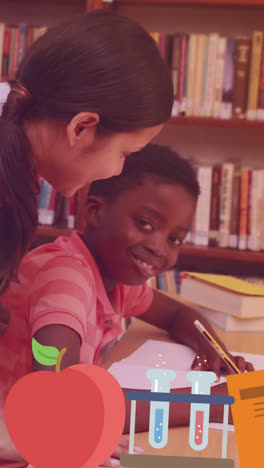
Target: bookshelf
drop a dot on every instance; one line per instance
(188, 135)
(221, 261)
(210, 122)
(193, 2)
(235, 138)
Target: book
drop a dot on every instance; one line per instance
(223, 293)
(202, 219)
(191, 73)
(235, 208)
(254, 76)
(242, 60)
(210, 75)
(183, 53)
(225, 204)
(260, 111)
(175, 70)
(215, 205)
(6, 53)
(256, 210)
(244, 208)
(228, 80)
(199, 67)
(219, 76)
(230, 323)
(205, 64)
(184, 99)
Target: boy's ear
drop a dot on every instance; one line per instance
(94, 210)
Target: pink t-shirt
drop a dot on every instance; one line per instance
(61, 284)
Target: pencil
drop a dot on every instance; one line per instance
(211, 340)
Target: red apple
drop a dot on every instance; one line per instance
(68, 419)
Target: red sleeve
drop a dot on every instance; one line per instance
(137, 299)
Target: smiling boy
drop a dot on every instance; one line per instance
(75, 292)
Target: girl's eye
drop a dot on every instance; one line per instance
(176, 241)
(145, 225)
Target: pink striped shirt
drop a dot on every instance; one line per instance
(61, 284)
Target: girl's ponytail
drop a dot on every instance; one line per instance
(18, 186)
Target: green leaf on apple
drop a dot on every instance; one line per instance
(45, 355)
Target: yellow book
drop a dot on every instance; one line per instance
(224, 294)
(254, 77)
(230, 282)
(199, 66)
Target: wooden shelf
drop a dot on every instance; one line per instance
(210, 122)
(242, 3)
(222, 261)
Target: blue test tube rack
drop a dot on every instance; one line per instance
(156, 461)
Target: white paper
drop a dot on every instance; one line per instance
(131, 372)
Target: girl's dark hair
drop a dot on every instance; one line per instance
(99, 62)
(159, 162)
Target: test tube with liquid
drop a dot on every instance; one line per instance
(199, 418)
(159, 410)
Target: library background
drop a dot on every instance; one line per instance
(215, 49)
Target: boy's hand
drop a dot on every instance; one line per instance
(210, 361)
(122, 448)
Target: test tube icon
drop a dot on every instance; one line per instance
(199, 417)
(159, 410)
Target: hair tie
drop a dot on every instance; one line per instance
(20, 89)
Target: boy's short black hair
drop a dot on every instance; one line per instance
(154, 161)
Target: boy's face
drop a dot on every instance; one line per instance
(139, 234)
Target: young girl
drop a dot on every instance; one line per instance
(88, 93)
(74, 292)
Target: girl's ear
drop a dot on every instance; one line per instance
(94, 211)
(82, 128)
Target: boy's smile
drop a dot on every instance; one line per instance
(138, 234)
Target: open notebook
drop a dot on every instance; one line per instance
(131, 372)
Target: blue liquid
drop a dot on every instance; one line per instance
(158, 425)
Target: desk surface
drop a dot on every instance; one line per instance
(178, 443)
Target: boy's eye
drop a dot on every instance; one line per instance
(145, 225)
(176, 241)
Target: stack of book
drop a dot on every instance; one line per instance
(230, 303)
(230, 209)
(215, 76)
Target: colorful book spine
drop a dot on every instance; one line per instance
(199, 67)
(235, 207)
(21, 42)
(244, 209)
(219, 76)
(242, 61)
(191, 73)
(202, 220)
(225, 204)
(175, 70)
(6, 53)
(210, 76)
(260, 111)
(184, 100)
(215, 205)
(184, 40)
(228, 80)
(257, 210)
(254, 77)
(205, 64)
(71, 217)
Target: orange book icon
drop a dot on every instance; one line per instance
(248, 416)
